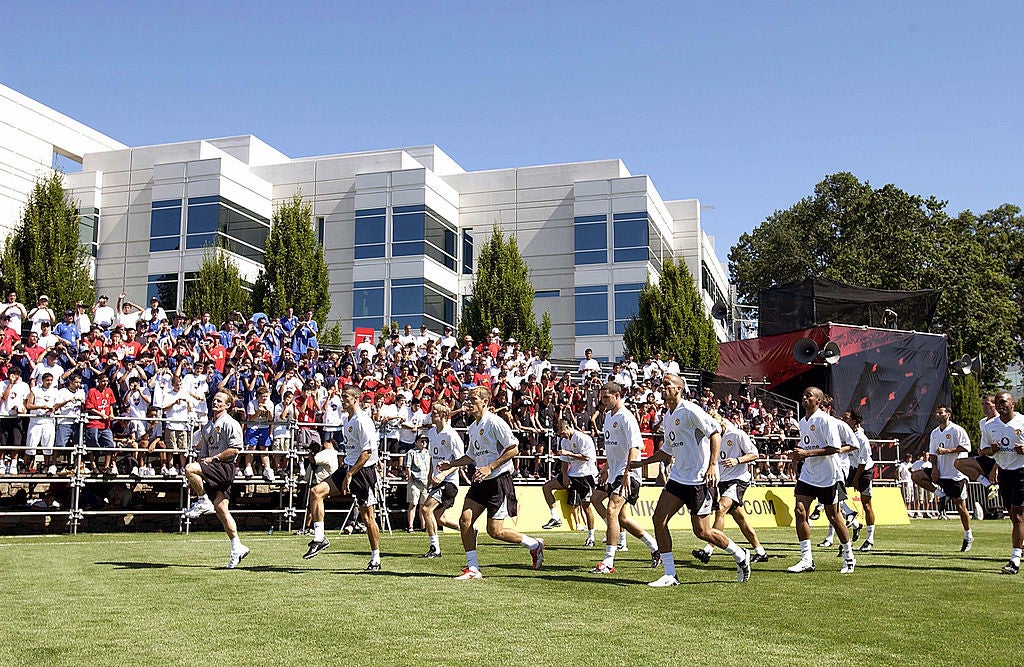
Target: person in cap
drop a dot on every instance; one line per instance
(448, 339)
(416, 466)
(102, 313)
(67, 330)
(42, 313)
(154, 309)
(128, 312)
(81, 319)
(15, 310)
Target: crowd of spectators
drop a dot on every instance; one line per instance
(144, 381)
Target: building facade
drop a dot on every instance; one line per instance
(399, 228)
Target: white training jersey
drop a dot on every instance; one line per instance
(819, 431)
(688, 430)
(360, 436)
(735, 443)
(283, 414)
(863, 457)
(621, 434)
(582, 444)
(44, 397)
(846, 437)
(951, 436)
(446, 445)
(488, 438)
(219, 435)
(1005, 436)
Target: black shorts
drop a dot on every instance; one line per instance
(698, 498)
(632, 492)
(826, 495)
(864, 486)
(581, 489)
(986, 463)
(1011, 487)
(444, 494)
(734, 489)
(497, 495)
(955, 489)
(363, 485)
(219, 476)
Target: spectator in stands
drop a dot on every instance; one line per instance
(14, 310)
(589, 363)
(42, 313)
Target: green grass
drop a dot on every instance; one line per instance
(144, 599)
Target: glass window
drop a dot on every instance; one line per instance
(627, 302)
(590, 239)
(592, 310)
(416, 301)
(163, 286)
(467, 251)
(546, 294)
(164, 243)
(320, 222)
(165, 222)
(369, 233)
(630, 232)
(200, 240)
(407, 227)
(368, 304)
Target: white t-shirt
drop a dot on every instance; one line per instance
(333, 415)
(389, 417)
(446, 445)
(282, 415)
(44, 397)
(735, 443)
(105, 316)
(582, 444)
(14, 310)
(15, 403)
(407, 435)
(1005, 436)
(621, 434)
(687, 432)
(952, 436)
(360, 436)
(488, 438)
(177, 405)
(590, 365)
(136, 406)
(129, 320)
(863, 450)
(819, 431)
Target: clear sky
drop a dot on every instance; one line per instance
(743, 105)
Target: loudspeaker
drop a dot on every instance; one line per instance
(720, 310)
(830, 353)
(805, 351)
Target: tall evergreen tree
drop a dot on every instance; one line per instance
(44, 254)
(503, 296)
(294, 273)
(671, 318)
(217, 289)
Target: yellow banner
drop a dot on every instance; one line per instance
(765, 506)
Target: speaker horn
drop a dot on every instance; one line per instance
(961, 366)
(720, 310)
(976, 364)
(830, 353)
(805, 351)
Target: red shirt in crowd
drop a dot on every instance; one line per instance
(103, 402)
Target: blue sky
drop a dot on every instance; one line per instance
(743, 105)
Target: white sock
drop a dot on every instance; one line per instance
(609, 555)
(374, 555)
(984, 480)
(968, 535)
(708, 549)
(555, 516)
(669, 562)
(622, 539)
(590, 533)
(847, 550)
(318, 531)
(529, 542)
(435, 542)
(735, 550)
(805, 550)
(649, 540)
(203, 498)
(831, 532)
(871, 533)
(236, 544)
(471, 560)
(1015, 557)
(759, 550)
(939, 493)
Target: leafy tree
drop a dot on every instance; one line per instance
(330, 337)
(886, 238)
(671, 318)
(44, 254)
(503, 296)
(217, 289)
(965, 399)
(294, 271)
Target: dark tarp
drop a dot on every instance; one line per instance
(814, 301)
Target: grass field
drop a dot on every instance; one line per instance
(151, 599)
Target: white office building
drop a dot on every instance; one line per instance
(399, 227)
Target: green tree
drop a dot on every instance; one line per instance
(217, 289)
(886, 238)
(671, 318)
(502, 296)
(294, 271)
(965, 400)
(44, 254)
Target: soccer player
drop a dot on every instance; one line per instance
(693, 441)
(445, 445)
(356, 477)
(818, 478)
(862, 474)
(849, 446)
(982, 468)
(220, 441)
(733, 479)
(948, 443)
(492, 446)
(1003, 440)
(579, 475)
(618, 482)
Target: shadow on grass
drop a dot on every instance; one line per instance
(136, 565)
